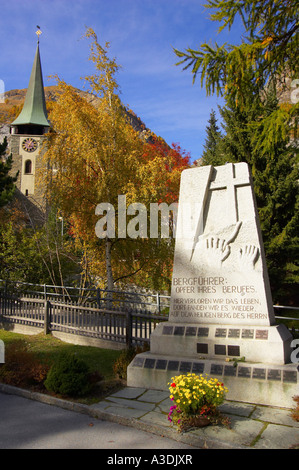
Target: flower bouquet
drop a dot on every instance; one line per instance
(195, 401)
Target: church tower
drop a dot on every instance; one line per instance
(27, 137)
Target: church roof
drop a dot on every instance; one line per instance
(34, 110)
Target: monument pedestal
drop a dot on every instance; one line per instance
(262, 378)
(221, 319)
(256, 344)
(248, 382)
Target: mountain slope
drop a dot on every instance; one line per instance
(14, 100)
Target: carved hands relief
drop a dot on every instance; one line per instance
(248, 256)
(218, 250)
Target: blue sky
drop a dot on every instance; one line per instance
(142, 35)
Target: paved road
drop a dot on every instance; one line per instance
(28, 424)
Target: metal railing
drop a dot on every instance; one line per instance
(113, 317)
(123, 317)
(139, 301)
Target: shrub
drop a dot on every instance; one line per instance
(122, 362)
(124, 359)
(22, 368)
(69, 376)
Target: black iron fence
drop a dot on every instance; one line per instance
(123, 317)
(139, 301)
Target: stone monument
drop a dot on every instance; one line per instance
(221, 320)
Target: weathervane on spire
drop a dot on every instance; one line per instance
(38, 33)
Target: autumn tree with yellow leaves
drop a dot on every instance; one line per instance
(94, 156)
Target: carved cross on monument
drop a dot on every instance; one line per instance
(230, 183)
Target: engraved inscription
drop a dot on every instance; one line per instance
(185, 366)
(261, 334)
(167, 330)
(220, 333)
(290, 376)
(274, 374)
(212, 298)
(202, 348)
(233, 333)
(244, 372)
(259, 373)
(138, 361)
(190, 331)
(233, 350)
(230, 371)
(216, 369)
(161, 364)
(220, 349)
(198, 367)
(149, 363)
(173, 365)
(179, 330)
(248, 334)
(203, 332)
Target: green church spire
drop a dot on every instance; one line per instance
(34, 111)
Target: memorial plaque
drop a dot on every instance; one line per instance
(220, 349)
(167, 330)
(216, 369)
(138, 361)
(261, 334)
(233, 333)
(230, 371)
(161, 364)
(203, 332)
(173, 365)
(220, 333)
(179, 331)
(190, 331)
(149, 363)
(248, 334)
(219, 271)
(202, 348)
(185, 366)
(274, 374)
(233, 350)
(258, 373)
(198, 367)
(290, 376)
(244, 372)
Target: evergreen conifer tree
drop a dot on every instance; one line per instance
(275, 175)
(268, 49)
(211, 154)
(259, 130)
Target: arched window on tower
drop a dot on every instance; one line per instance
(28, 167)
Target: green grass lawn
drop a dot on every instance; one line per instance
(48, 349)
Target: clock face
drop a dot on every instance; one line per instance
(29, 144)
